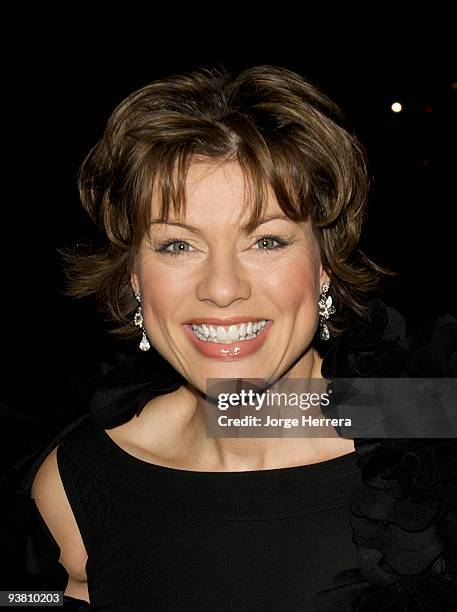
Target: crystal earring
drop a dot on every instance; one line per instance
(325, 310)
(138, 320)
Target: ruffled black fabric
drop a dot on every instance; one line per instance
(128, 384)
(380, 347)
(404, 514)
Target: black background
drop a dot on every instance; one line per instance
(60, 92)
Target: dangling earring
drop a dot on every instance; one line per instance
(138, 320)
(325, 310)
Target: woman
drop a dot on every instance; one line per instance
(232, 208)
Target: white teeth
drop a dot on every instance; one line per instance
(221, 334)
(233, 332)
(230, 334)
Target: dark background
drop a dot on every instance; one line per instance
(60, 96)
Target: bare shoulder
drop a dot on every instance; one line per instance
(52, 502)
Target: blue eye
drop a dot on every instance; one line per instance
(265, 239)
(164, 246)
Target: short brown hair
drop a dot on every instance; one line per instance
(283, 130)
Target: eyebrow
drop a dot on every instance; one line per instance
(196, 230)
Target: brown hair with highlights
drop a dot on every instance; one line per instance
(284, 132)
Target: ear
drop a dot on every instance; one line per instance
(134, 281)
(323, 276)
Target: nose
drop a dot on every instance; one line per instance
(224, 281)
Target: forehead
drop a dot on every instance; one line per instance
(220, 190)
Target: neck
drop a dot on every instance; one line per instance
(180, 434)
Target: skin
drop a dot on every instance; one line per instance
(224, 273)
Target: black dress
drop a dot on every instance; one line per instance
(184, 540)
(371, 530)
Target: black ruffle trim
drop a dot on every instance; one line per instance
(127, 386)
(404, 515)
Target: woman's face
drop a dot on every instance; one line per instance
(214, 271)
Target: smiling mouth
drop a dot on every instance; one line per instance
(229, 334)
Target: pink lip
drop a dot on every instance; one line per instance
(228, 352)
(228, 321)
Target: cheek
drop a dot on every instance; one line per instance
(161, 293)
(293, 285)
